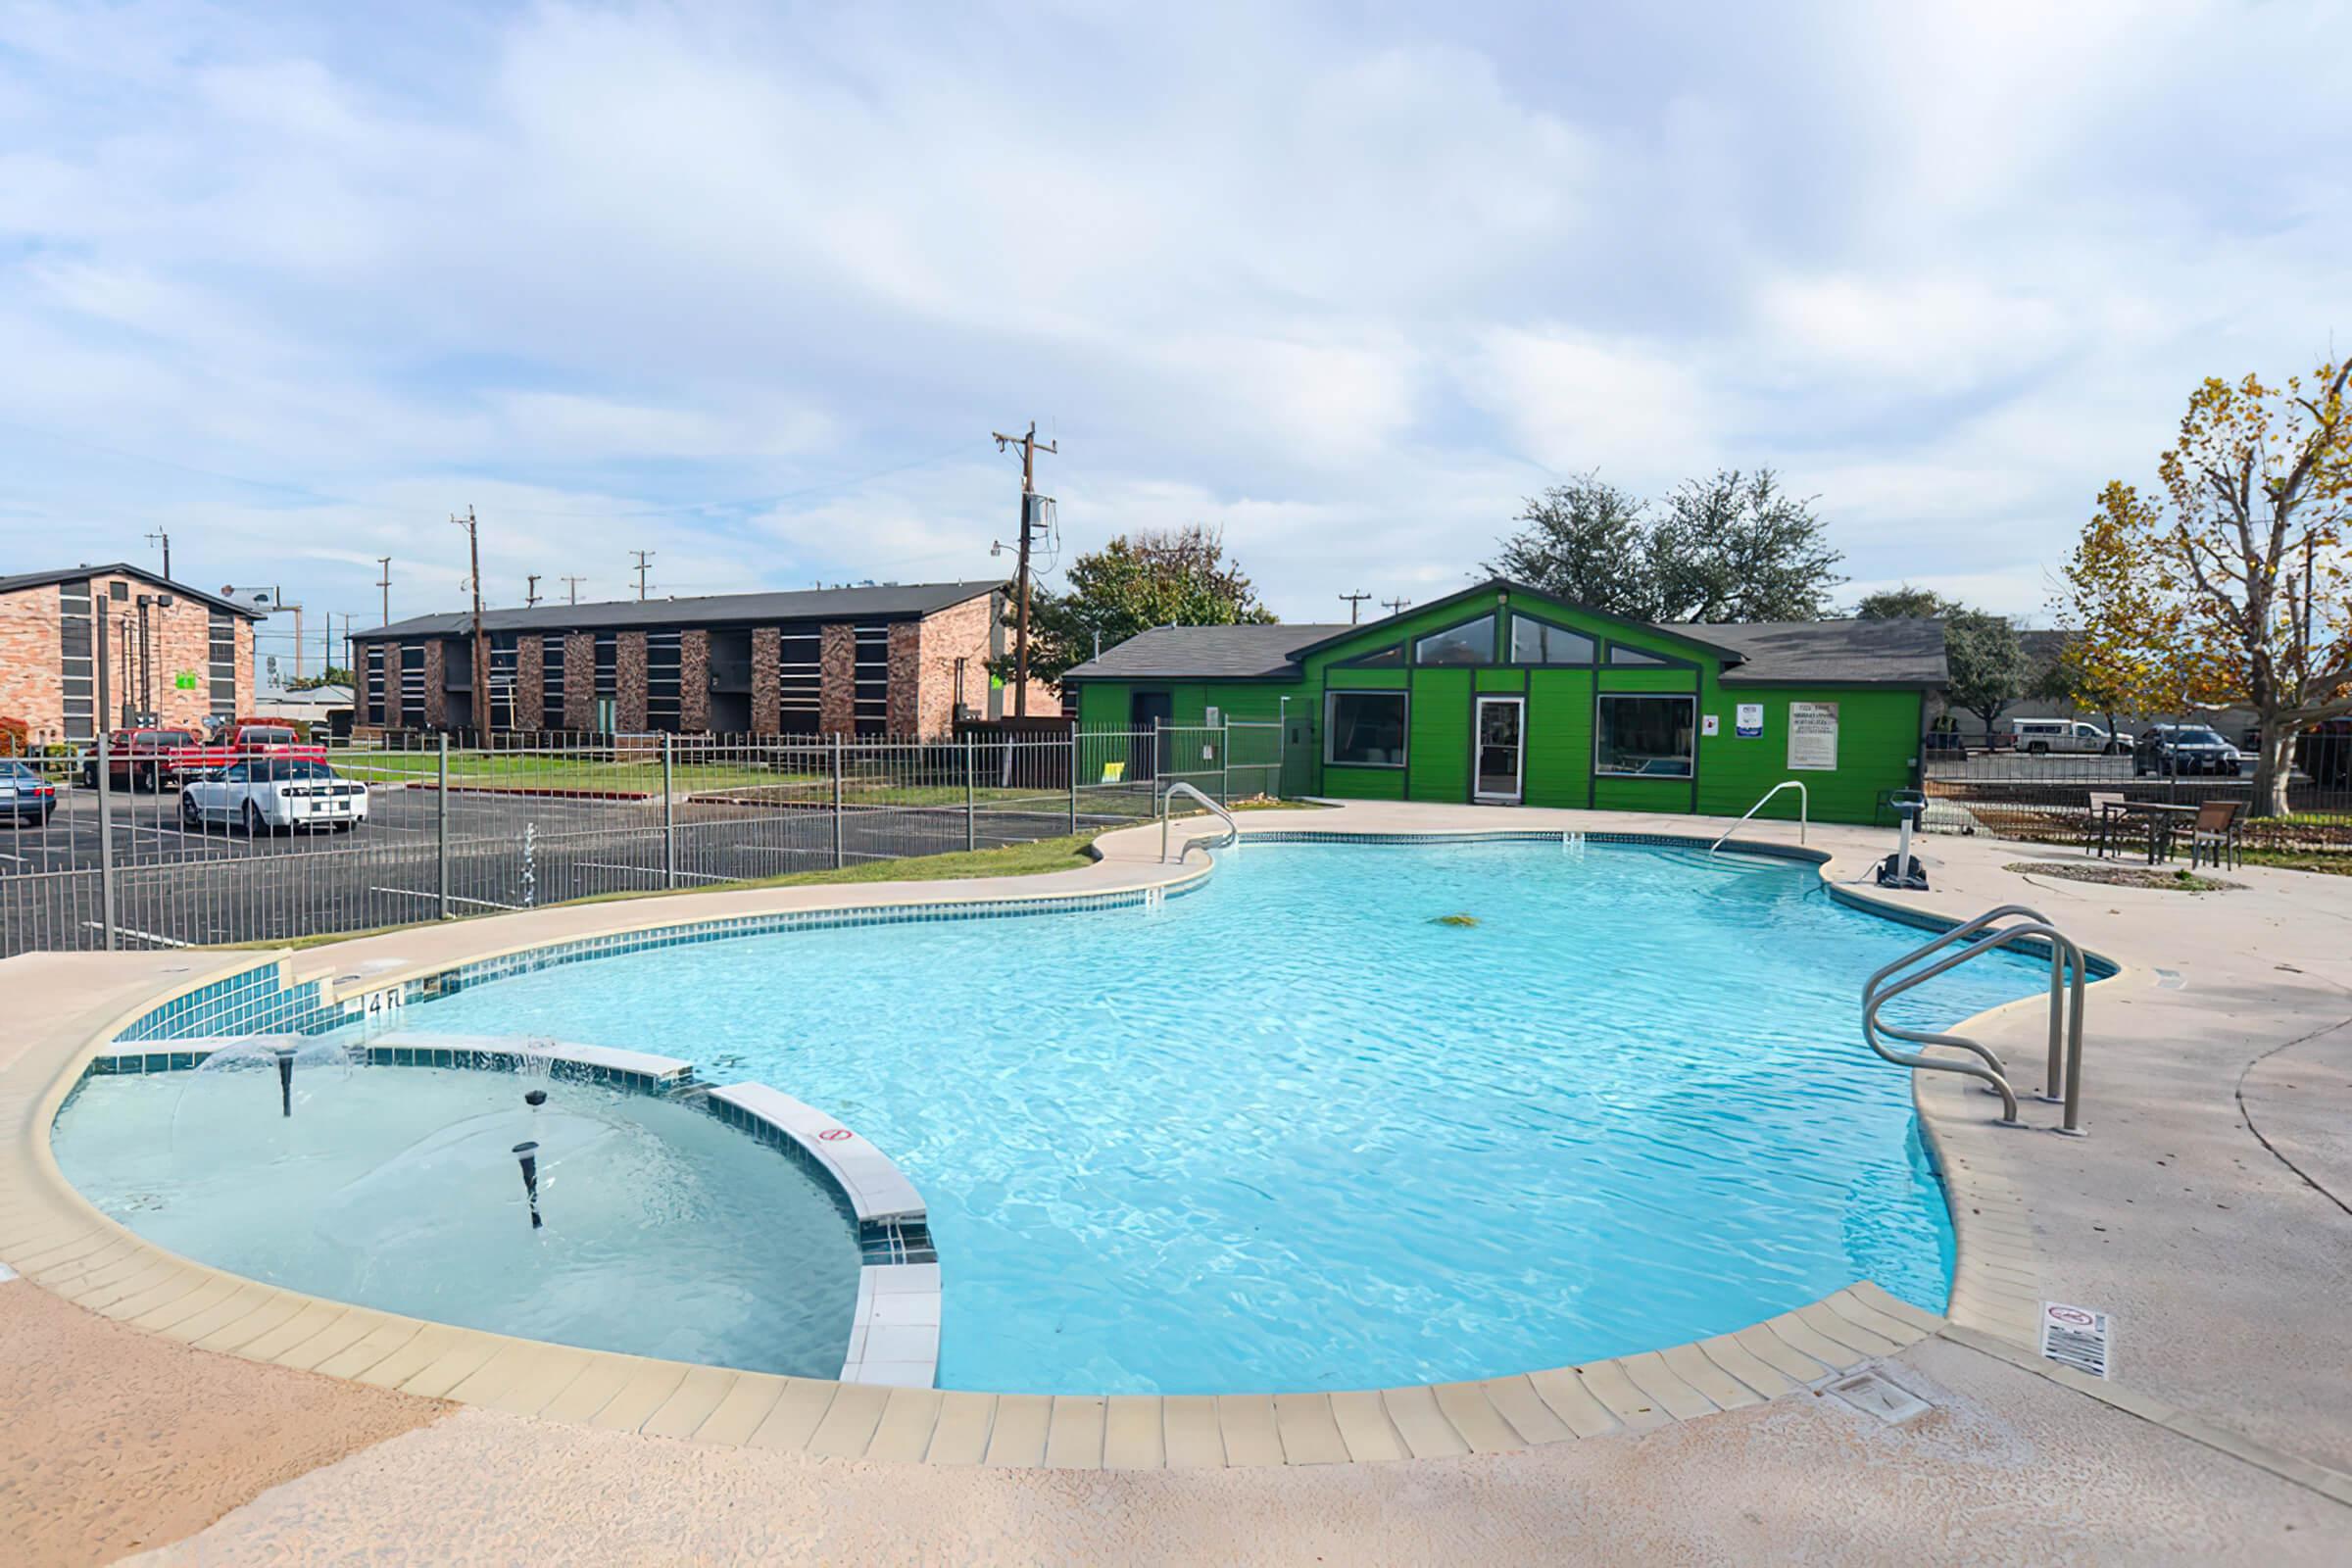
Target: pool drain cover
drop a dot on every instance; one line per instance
(1878, 1396)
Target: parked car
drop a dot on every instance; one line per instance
(2175, 750)
(274, 792)
(25, 794)
(2040, 737)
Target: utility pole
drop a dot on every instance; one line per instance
(482, 643)
(164, 539)
(385, 583)
(643, 555)
(1394, 606)
(1355, 607)
(1029, 444)
(530, 591)
(573, 583)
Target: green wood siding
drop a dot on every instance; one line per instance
(1559, 737)
(1438, 754)
(1877, 742)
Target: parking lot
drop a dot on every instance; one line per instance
(176, 884)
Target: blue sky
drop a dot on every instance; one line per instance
(748, 285)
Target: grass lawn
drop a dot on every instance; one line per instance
(2334, 862)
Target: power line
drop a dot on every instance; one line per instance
(573, 583)
(1355, 607)
(643, 555)
(1031, 514)
(481, 641)
(165, 538)
(385, 583)
(1394, 606)
(530, 591)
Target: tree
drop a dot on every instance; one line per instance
(1159, 578)
(1731, 547)
(2235, 594)
(2068, 678)
(1906, 604)
(1985, 665)
(332, 675)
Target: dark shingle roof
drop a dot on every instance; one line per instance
(1892, 652)
(889, 600)
(123, 569)
(1227, 653)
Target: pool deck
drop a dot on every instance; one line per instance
(2206, 1213)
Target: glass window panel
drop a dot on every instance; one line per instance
(1365, 729)
(1386, 657)
(1645, 737)
(1535, 643)
(1471, 643)
(1622, 655)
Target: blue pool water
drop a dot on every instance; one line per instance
(1291, 1133)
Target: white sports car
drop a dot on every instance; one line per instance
(270, 792)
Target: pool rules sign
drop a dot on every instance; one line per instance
(1813, 737)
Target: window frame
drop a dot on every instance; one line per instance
(1404, 732)
(1599, 729)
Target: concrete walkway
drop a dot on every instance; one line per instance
(2222, 1249)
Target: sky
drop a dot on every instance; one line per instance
(749, 285)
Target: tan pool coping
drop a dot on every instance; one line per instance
(61, 1242)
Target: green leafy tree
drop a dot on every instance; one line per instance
(332, 675)
(1730, 547)
(1180, 577)
(1986, 664)
(1906, 604)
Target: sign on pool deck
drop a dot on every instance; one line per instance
(2076, 1337)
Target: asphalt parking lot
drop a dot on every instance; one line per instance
(179, 885)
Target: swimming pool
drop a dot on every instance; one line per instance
(1297, 1130)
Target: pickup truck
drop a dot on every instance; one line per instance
(151, 759)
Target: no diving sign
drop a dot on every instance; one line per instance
(2076, 1337)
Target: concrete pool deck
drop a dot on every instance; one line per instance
(2215, 1244)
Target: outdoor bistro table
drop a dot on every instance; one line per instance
(2163, 819)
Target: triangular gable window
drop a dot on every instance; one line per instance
(1389, 658)
(1539, 642)
(1619, 654)
(1470, 642)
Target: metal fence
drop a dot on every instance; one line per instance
(129, 857)
(2047, 797)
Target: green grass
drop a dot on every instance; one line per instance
(2333, 862)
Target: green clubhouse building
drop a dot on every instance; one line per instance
(1506, 695)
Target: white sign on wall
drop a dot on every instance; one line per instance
(1813, 736)
(1748, 722)
(1710, 725)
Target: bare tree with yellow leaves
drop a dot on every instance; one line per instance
(2235, 594)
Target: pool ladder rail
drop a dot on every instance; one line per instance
(1233, 829)
(2066, 1010)
(1804, 809)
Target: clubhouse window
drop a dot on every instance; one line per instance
(1535, 642)
(1471, 643)
(1365, 729)
(1645, 737)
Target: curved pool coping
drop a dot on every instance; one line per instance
(57, 1239)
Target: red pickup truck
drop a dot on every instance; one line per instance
(151, 759)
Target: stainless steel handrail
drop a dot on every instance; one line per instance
(1804, 809)
(1233, 829)
(2066, 1010)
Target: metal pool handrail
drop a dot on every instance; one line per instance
(1804, 809)
(2066, 1008)
(1233, 829)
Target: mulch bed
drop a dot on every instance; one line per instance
(2124, 876)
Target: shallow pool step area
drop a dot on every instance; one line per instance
(635, 1069)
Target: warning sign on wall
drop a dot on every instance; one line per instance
(1813, 736)
(1748, 720)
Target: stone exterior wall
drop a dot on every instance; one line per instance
(530, 688)
(30, 687)
(912, 702)
(436, 672)
(628, 682)
(836, 680)
(579, 680)
(965, 631)
(766, 687)
(694, 680)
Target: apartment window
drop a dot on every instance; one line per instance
(607, 663)
(800, 679)
(664, 656)
(506, 654)
(373, 690)
(411, 685)
(78, 662)
(225, 663)
(1645, 736)
(1364, 729)
(872, 675)
(1471, 643)
(551, 680)
(1539, 642)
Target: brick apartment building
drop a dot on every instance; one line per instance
(116, 644)
(891, 660)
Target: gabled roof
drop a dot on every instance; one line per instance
(884, 602)
(1496, 585)
(123, 569)
(1788, 653)
(1227, 653)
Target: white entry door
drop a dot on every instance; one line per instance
(1501, 736)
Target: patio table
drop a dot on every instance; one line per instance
(2163, 819)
